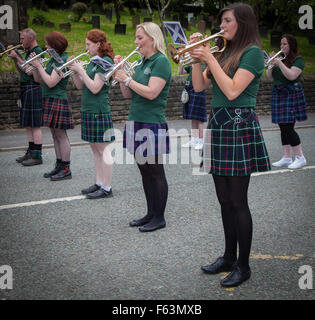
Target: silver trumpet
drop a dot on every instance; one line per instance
(64, 68)
(280, 55)
(128, 66)
(42, 60)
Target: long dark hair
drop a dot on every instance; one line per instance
(293, 53)
(246, 35)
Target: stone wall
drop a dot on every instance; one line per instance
(9, 93)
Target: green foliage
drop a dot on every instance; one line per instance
(124, 44)
(79, 8)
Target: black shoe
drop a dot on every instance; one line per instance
(25, 157)
(140, 222)
(100, 193)
(31, 162)
(236, 277)
(220, 265)
(52, 172)
(151, 226)
(90, 189)
(63, 174)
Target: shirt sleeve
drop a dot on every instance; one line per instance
(299, 63)
(253, 61)
(162, 68)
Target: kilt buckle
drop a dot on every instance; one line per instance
(237, 120)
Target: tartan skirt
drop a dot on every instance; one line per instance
(57, 114)
(288, 104)
(31, 113)
(234, 144)
(196, 107)
(146, 139)
(97, 127)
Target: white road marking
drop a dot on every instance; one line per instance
(34, 203)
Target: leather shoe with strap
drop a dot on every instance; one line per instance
(236, 277)
(220, 265)
(90, 189)
(100, 193)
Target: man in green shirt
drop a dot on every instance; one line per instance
(31, 101)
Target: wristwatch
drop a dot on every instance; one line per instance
(127, 81)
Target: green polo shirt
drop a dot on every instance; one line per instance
(145, 110)
(24, 76)
(95, 103)
(280, 80)
(252, 60)
(188, 69)
(59, 90)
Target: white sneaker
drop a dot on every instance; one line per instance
(190, 144)
(298, 163)
(283, 162)
(199, 144)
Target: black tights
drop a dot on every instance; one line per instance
(289, 135)
(156, 190)
(236, 217)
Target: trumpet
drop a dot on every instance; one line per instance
(18, 46)
(182, 55)
(22, 65)
(128, 66)
(280, 55)
(63, 68)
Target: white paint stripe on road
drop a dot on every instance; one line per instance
(34, 203)
(281, 171)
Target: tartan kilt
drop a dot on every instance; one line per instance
(288, 104)
(97, 127)
(31, 113)
(234, 144)
(146, 139)
(57, 113)
(196, 107)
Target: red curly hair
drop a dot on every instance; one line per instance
(105, 48)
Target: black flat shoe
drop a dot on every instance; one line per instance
(220, 265)
(149, 227)
(100, 193)
(90, 189)
(235, 278)
(140, 222)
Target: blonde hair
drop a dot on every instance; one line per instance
(154, 32)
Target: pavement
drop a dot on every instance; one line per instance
(61, 246)
(15, 139)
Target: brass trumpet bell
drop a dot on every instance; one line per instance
(182, 56)
(18, 46)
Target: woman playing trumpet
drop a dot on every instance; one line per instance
(145, 134)
(234, 141)
(96, 121)
(288, 101)
(57, 112)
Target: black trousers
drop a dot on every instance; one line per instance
(289, 135)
